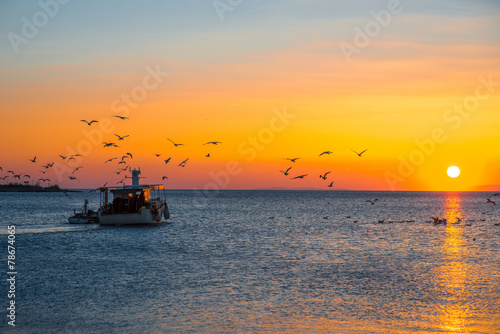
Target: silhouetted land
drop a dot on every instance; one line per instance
(18, 187)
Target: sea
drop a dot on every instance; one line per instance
(255, 262)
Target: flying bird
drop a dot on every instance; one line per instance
(77, 168)
(183, 164)
(324, 176)
(292, 160)
(33, 160)
(26, 175)
(286, 172)
(9, 171)
(110, 160)
(3, 178)
(326, 152)
(207, 156)
(167, 161)
(130, 155)
(106, 144)
(372, 202)
(121, 137)
(359, 154)
(125, 156)
(157, 155)
(17, 176)
(213, 143)
(175, 144)
(330, 185)
(490, 201)
(73, 178)
(120, 117)
(89, 123)
(63, 157)
(299, 177)
(165, 177)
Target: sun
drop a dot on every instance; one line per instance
(453, 171)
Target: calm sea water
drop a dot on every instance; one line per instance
(258, 262)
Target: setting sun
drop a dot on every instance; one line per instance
(453, 171)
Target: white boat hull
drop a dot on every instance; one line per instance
(144, 217)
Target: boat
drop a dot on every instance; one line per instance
(85, 216)
(133, 204)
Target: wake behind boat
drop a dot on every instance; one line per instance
(133, 205)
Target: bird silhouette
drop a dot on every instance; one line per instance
(167, 160)
(286, 172)
(207, 156)
(121, 137)
(88, 123)
(213, 143)
(299, 177)
(73, 178)
(372, 202)
(359, 154)
(330, 185)
(324, 176)
(106, 144)
(326, 152)
(3, 178)
(292, 160)
(63, 157)
(33, 160)
(157, 155)
(26, 175)
(490, 201)
(175, 144)
(183, 164)
(165, 177)
(77, 168)
(121, 117)
(109, 160)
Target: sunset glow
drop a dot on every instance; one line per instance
(269, 82)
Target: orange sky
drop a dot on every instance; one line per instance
(424, 79)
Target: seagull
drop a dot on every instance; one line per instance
(213, 143)
(125, 156)
(493, 194)
(73, 178)
(17, 176)
(43, 172)
(109, 144)
(110, 160)
(157, 155)
(26, 175)
(207, 156)
(292, 160)
(183, 164)
(167, 160)
(120, 117)
(130, 155)
(165, 177)
(33, 160)
(490, 201)
(122, 162)
(359, 154)
(286, 172)
(124, 169)
(63, 157)
(299, 177)
(77, 168)
(326, 152)
(330, 185)
(175, 144)
(121, 137)
(9, 171)
(372, 202)
(89, 123)
(3, 178)
(324, 176)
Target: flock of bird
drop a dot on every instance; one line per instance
(321, 176)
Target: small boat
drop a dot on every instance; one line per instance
(133, 204)
(85, 216)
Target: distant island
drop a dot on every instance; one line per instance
(18, 187)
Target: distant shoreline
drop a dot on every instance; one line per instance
(17, 187)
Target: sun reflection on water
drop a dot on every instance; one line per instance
(454, 309)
